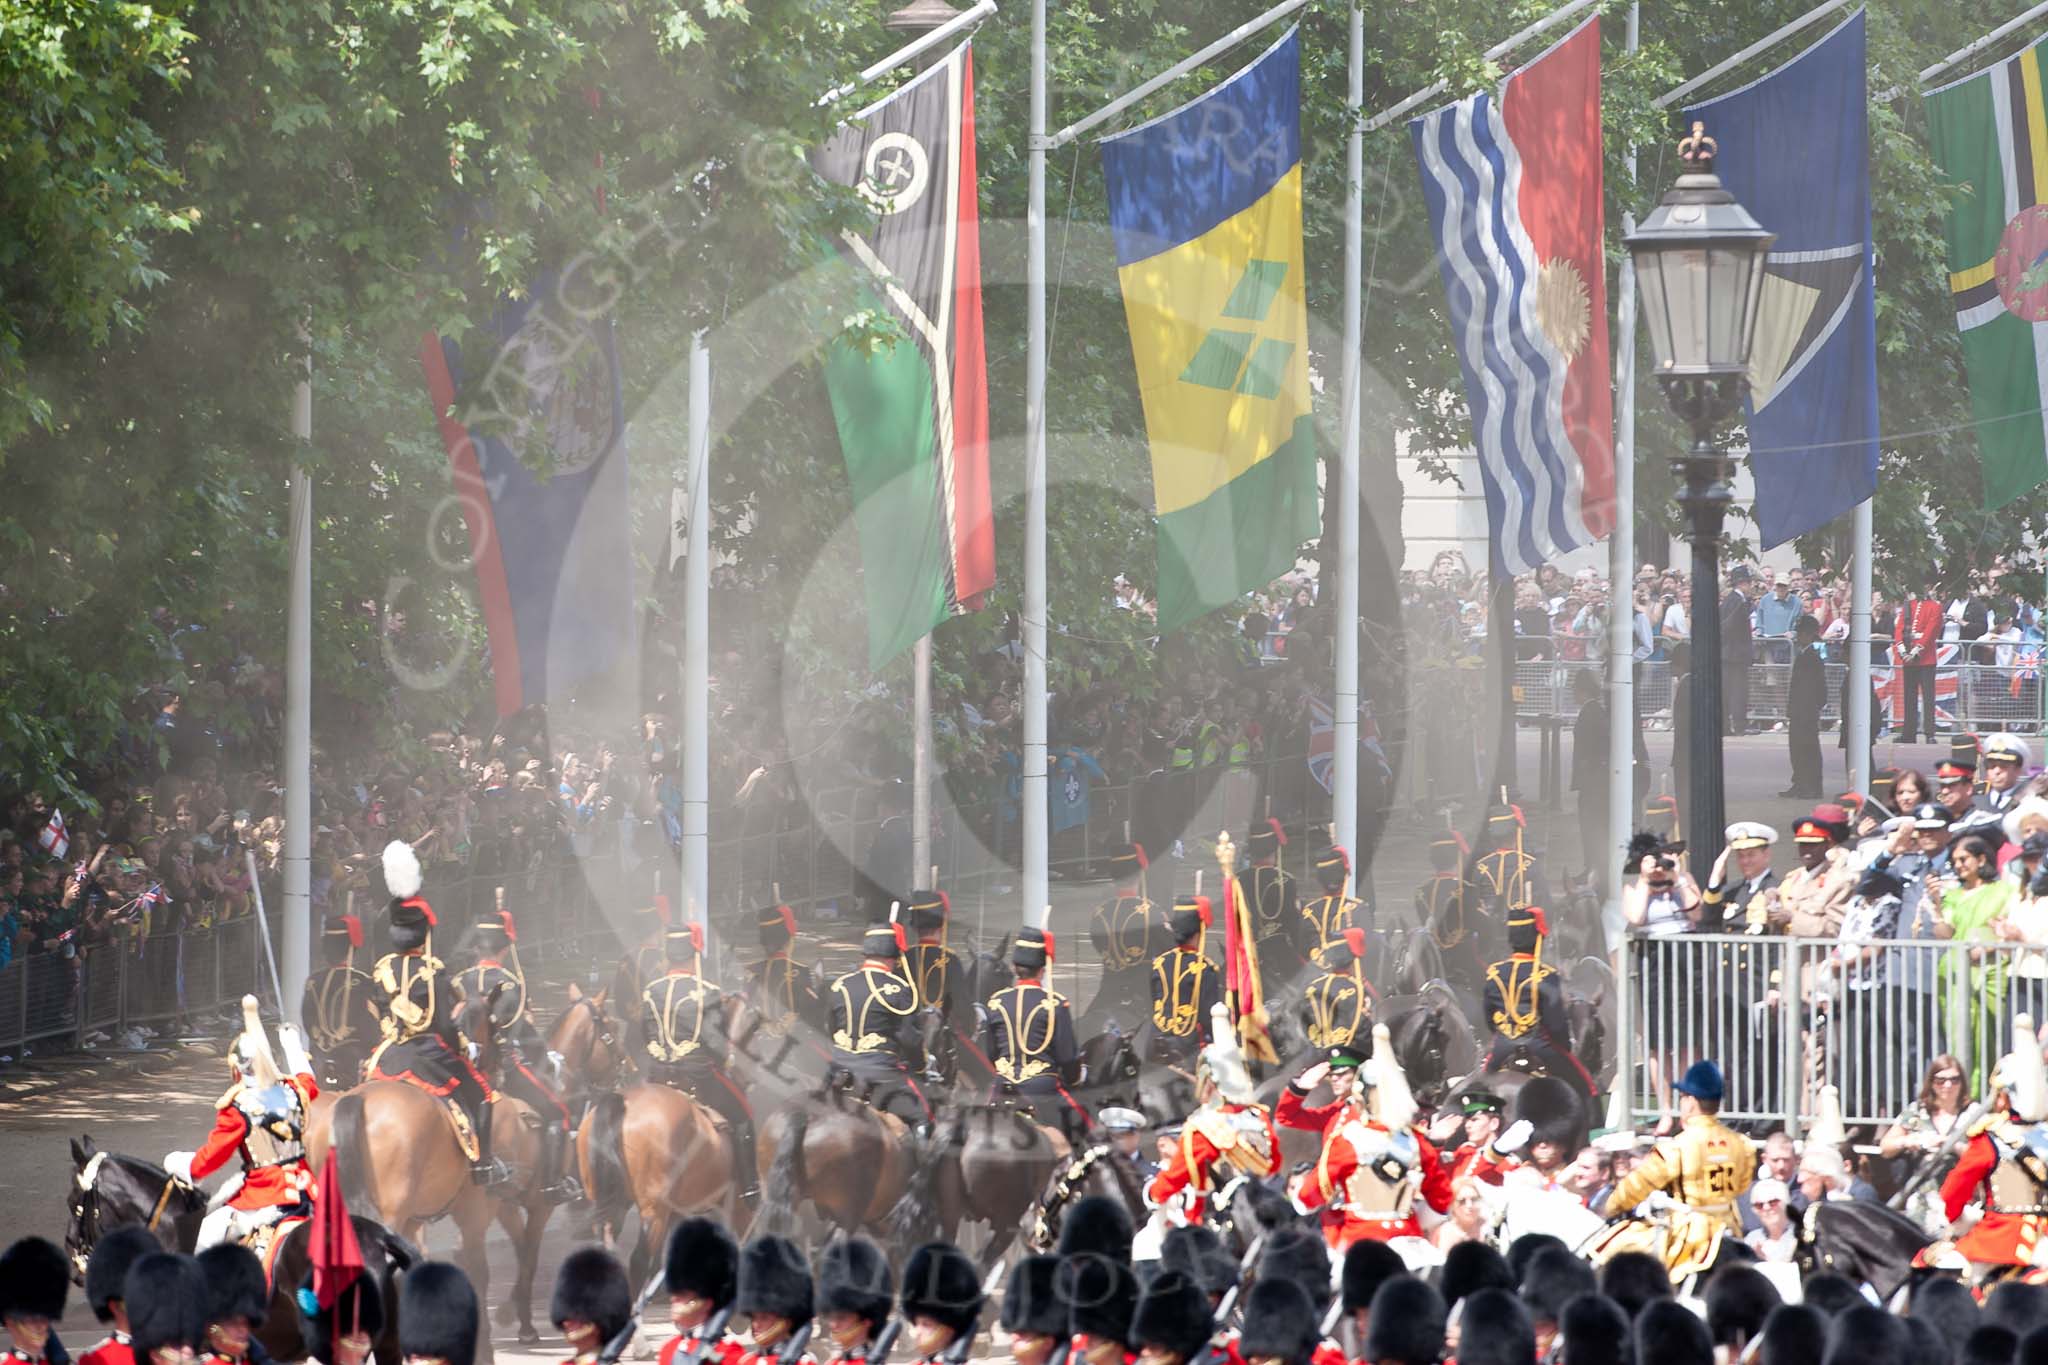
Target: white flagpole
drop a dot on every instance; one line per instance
(298, 711)
(1344, 761)
(1035, 882)
(1621, 613)
(1858, 719)
(696, 850)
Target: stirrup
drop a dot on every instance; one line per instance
(490, 1172)
(567, 1190)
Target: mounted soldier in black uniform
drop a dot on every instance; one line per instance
(493, 942)
(877, 1029)
(1185, 986)
(1029, 1031)
(340, 1007)
(1127, 934)
(686, 1042)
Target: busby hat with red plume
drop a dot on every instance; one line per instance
(1189, 917)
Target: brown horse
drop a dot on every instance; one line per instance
(995, 1161)
(659, 1151)
(399, 1157)
(591, 1044)
(854, 1165)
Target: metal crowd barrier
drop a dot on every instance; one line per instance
(115, 986)
(1785, 1017)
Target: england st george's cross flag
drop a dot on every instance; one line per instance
(1512, 181)
(912, 412)
(1813, 372)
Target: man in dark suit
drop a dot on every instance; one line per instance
(1806, 695)
(1738, 648)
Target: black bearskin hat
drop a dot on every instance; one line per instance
(1554, 1113)
(1923, 1343)
(854, 1277)
(1100, 1294)
(35, 1279)
(1866, 1335)
(1173, 1313)
(1197, 1252)
(939, 1282)
(591, 1287)
(1634, 1279)
(1948, 1307)
(1099, 1224)
(1595, 1331)
(1031, 1301)
(1739, 1303)
(1554, 1278)
(1468, 1268)
(236, 1286)
(2033, 1348)
(438, 1314)
(165, 1296)
(2021, 1307)
(108, 1265)
(1523, 1250)
(1830, 1293)
(777, 928)
(1671, 1334)
(1794, 1334)
(702, 1259)
(358, 1307)
(1494, 1329)
(1301, 1256)
(774, 1279)
(1988, 1345)
(1279, 1320)
(1407, 1323)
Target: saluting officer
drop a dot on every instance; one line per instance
(1029, 1032)
(686, 1020)
(1185, 986)
(1125, 931)
(876, 1027)
(1337, 1007)
(1325, 918)
(340, 1006)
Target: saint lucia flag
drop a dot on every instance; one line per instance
(1813, 374)
(1990, 136)
(1205, 206)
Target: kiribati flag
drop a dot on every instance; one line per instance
(1513, 185)
(535, 428)
(1205, 207)
(1813, 374)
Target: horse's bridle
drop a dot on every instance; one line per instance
(606, 1036)
(86, 1211)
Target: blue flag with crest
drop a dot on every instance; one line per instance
(1794, 149)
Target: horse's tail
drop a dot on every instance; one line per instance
(910, 1219)
(782, 1187)
(610, 1186)
(351, 1150)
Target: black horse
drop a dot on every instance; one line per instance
(1099, 1170)
(109, 1190)
(1248, 1210)
(1866, 1241)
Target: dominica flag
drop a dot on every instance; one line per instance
(1990, 135)
(1205, 210)
(912, 411)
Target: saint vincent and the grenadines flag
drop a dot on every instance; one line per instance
(1205, 209)
(912, 413)
(1813, 372)
(1990, 135)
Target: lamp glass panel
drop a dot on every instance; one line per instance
(1688, 284)
(1656, 305)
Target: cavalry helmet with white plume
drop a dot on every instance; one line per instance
(1827, 1129)
(250, 1053)
(1222, 1061)
(412, 919)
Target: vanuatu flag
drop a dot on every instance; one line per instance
(1205, 207)
(1990, 134)
(913, 413)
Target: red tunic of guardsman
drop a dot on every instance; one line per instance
(261, 1120)
(1340, 1067)
(2007, 1159)
(1374, 1164)
(1485, 1154)
(1231, 1133)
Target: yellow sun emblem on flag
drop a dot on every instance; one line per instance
(1564, 308)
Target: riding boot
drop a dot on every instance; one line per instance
(560, 1183)
(488, 1171)
(745, 1169)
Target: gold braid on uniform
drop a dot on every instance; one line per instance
(330, 1016)
(1514, 1019)
(931, 962)
(1325, 1030)
(665, 1046)
(1041, 1238)
(396, 973)
(1030, 1060)
(1112, 916)
(1183, 994)
(1456, 934)
(856, 1037)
